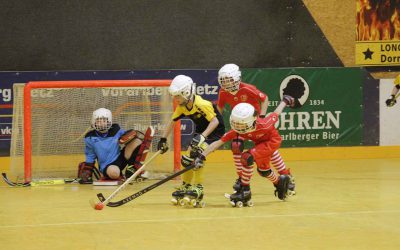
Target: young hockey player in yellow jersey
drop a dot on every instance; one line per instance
(209, 128)
(392, 100)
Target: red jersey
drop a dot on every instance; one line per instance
(265, 131)
(247, 93)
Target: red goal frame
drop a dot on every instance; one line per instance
(86, 84)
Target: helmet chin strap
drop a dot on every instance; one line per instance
(253, 127)
(234, 92)
(188, 101)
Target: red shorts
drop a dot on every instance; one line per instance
(263, 151)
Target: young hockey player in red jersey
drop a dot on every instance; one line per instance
(245, 124)
(233, 92)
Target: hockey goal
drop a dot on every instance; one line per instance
(51, 118)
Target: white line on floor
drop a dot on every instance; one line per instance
(167, 220)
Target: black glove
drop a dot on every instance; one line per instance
(199, 162)
(162, 145)
(197, 140)
(391, 101)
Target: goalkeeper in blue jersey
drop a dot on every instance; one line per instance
(112, 147)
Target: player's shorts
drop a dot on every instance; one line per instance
(213, 137)
(263, 151)
(210, 139)
(121, 162)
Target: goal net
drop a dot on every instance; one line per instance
(51, 118)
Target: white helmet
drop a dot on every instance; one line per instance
(102, 120)
(243, 118)
(183, 86)
(229, 77)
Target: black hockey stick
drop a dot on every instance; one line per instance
(15, 184)
(144, 190)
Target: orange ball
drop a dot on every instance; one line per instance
(99, 206)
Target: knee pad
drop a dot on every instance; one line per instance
(237, 146)
(247, 159)
(264, 173)
(186, 161)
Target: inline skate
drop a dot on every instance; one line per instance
(281, 190)
(179, 194)
(194, 196)
(241, 198)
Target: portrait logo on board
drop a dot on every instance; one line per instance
(296, 87)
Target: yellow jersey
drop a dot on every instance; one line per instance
(397, 80)
(202, 112)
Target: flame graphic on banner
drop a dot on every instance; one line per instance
(378, 20)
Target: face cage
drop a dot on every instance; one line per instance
(102, 125)
(229, 84)
(242, 128)
(182, 94)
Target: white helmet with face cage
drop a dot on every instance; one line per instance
(229, 77)
(102, 120)
(243, 118)
(183, 86)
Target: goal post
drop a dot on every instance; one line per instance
(48, 132)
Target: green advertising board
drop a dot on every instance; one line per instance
(331, 114)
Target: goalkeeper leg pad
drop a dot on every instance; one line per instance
(128, 136)
(140, 154)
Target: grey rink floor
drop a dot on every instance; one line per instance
(340, 204)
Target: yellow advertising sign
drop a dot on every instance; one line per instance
(378, 53)
(377, 33)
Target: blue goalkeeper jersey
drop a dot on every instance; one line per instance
(103, 147)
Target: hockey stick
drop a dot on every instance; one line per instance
(143, 191)
(105, 201)
(36, 183)
(102, 199)
(14, 184)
